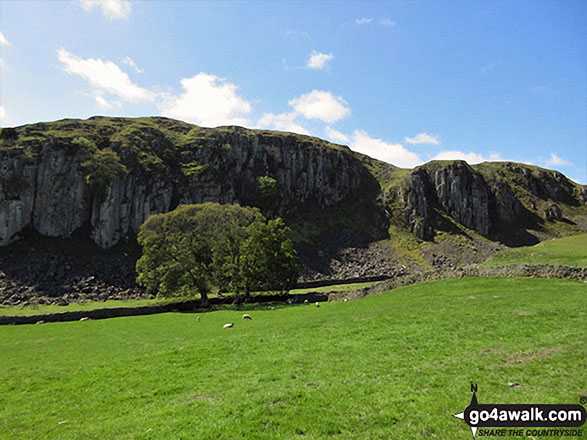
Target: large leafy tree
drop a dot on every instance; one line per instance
(198, 248)
(268, 260)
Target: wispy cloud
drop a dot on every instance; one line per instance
(112, 9)
(471, 157)
(387, 22)
(423, 138)
(298, 34)
(336, 136)
(395, 154)
(3, 40)
(130, 62)
(3, 116)
(105, 77)
(556, 161)
(282, 122)
(363, 20)
(318, 60)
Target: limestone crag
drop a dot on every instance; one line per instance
(483, 196)
(452, 187)
(106, 176)
(44, 185)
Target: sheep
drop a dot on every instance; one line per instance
(271, 308)
(306, 301)
(317, 304)
(229, 325)
(247, 316)
(198, 318)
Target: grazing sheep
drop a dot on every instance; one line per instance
(344, 300)
(247, 316)
(317, 304)
(306, 301)
(197, 318)
(228, 325)
(85, 318)
(271, 308)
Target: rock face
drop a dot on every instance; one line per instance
(452, 187)
(483, 197)
(106, 176)
(44, 180)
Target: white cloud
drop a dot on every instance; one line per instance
(363, 20)
(112, 9)
(282, 122)
(556, 161)
(320, 105)
(3, 40)
(209, 101)
(471, 158)
(130, 62)
(336, 136)
(104, 77)
(387, 22)
(395, 154)
(318, 60)
(423, 138)
(3, 115)
(107, 105)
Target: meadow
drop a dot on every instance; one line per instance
(392, 366)
(565, 251)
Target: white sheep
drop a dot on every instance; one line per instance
(247, 316)
(229, 325)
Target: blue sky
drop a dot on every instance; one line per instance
(405, 82)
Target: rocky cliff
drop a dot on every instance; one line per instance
(57, 178)
(105, 176)
(352, 216)
(502, 201)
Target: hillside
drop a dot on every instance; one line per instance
(81, 185)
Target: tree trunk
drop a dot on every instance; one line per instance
(204, 299)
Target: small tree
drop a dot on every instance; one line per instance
(196, 248)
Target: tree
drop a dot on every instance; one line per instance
(197, 248)
(268, 260)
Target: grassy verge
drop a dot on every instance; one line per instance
(396, 365)
(566, 251)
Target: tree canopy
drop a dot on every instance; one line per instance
(205, 247)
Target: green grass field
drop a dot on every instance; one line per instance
(392, 366)
(566, 251)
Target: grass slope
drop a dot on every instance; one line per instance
(566, 251)
(393, 366)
